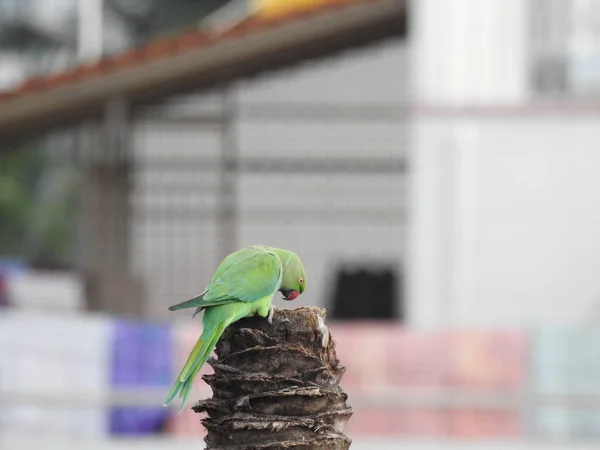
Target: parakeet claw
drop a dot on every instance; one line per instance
(324, 332)
(270, 316)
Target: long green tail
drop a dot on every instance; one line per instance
(198, 356)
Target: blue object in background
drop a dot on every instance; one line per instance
(142, 357)
(138, 420)
(566, 361)
(12, 266)
(9, 268)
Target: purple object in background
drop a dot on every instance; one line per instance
(142, 357)
(138, 420)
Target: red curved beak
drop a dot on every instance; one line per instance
(289, 294)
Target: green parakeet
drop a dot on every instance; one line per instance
(242, 286)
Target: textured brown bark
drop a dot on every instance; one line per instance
(276, 386)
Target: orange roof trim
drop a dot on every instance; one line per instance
(163, 47)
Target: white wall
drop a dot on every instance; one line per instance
(469, 51)
(506, 224)
(503, 223)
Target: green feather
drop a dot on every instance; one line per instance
(246, 275)
(198, 302)
(173, 392)
(201, 351)
(194, 363)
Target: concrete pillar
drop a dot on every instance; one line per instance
(105, 210)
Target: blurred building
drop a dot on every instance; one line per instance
(440, 158)
(317, 150)
(433, 165)
(504, 160)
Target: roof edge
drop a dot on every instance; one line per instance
(240, 52)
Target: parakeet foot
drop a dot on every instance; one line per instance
(270, 316)
(324, 332)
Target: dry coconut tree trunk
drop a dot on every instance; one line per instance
(276, 386)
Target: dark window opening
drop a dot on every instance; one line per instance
(367, 293)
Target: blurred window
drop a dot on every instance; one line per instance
(367, 293)
(565, 47)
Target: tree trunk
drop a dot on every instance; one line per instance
(276, 386)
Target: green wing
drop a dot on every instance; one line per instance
(246, 275)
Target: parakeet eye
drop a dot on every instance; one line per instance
(301, 280)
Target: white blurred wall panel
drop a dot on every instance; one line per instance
(505, 224)
(76, 423)
(374, 74)
(170, 141)
(53, 358)
(305, 197)
(47, 291)
(326, 139)
(59, 353)
(470, 52)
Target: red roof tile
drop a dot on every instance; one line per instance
(169, 46)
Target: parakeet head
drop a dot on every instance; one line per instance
(293, 281)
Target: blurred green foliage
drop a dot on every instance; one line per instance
(37, 207)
